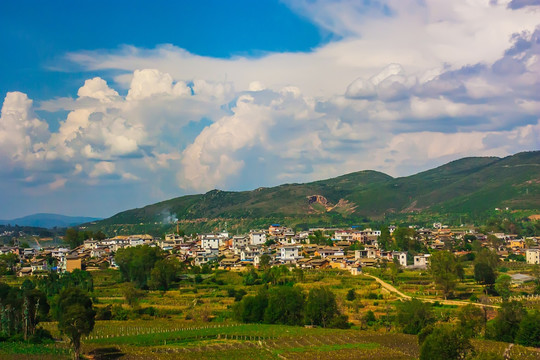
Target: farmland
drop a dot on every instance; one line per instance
(194, 321)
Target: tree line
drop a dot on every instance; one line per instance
(289, 305)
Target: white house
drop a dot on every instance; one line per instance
(289, 253)
(257, 237)
(240, 241)
(211, 242)
(401, 256)
(533, 256)
(421, 260)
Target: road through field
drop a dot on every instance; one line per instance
(391, 288)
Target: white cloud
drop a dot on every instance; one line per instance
(408, 85)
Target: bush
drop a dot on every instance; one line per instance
(340, 322)
(41, 336)
(445, 343)
(529, 330)
(351, 295)
(414, 315)
(119, 313)
(104, 313)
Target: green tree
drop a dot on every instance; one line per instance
(484, 274)
(394, 268)
(506, 324)
(472, 320)
(136, 263)
(502, 286)
(446, 270)
(265, 261)
(75, 316)
(252, 308)
(72, 238)
(351, 295)
(529, 330)
(164, 273)
(285, 305)
(131, 294)
(251, 277)
(8, 263)
(413, 315)
(446, 343)
(384, 239)
(321, 307)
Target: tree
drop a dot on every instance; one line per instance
(131, 294)
(529, 330)
(446, 343)
(164, 273)
(252, 308)
(472, 320)
(445, 269)
(394, 267)
(502, 286)
(72, 238)
(484, 274)
(351, 295)
(488, 257)
(384, 239)
(8, 263)
(100, 235)
(136, 263)
(265, 261)
(321, 307)
(413, 315)
(506, 324)
(75, 316)
(405, 239)
(285, 305)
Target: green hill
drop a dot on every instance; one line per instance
(471, 186)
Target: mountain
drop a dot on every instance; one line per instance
(49, 220)
(467, 187)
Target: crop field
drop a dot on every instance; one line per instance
(169, 339)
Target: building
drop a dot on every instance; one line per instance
(532, 256)
(289, 253)
(401, 257)
(73, 261)
(257, 237)
(421, 260)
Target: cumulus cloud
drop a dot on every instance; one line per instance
(405, 86)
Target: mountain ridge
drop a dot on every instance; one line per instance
(49, 220)
(471, 185)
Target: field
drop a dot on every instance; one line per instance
(194, 321)
(172, 339)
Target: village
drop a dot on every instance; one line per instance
(348, 249)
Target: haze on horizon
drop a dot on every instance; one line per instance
(107, 107)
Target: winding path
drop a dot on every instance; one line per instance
(391, 288)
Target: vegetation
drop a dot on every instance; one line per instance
(465, 190)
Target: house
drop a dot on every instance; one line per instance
(39, 265)
(369, 253)
(275, 229)
(401, 257)
(289, 253)
(210, 241)
(328, 251)
(421, 260)
(532, 256)
(257, 237)
(517, 244)
(73, 261)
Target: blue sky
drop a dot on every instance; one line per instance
(113, 105)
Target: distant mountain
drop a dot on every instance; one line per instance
(468, 187)
(49, 220)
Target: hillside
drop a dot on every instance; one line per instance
(48, 221)
(471, 186)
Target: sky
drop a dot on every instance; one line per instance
(108, 106)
